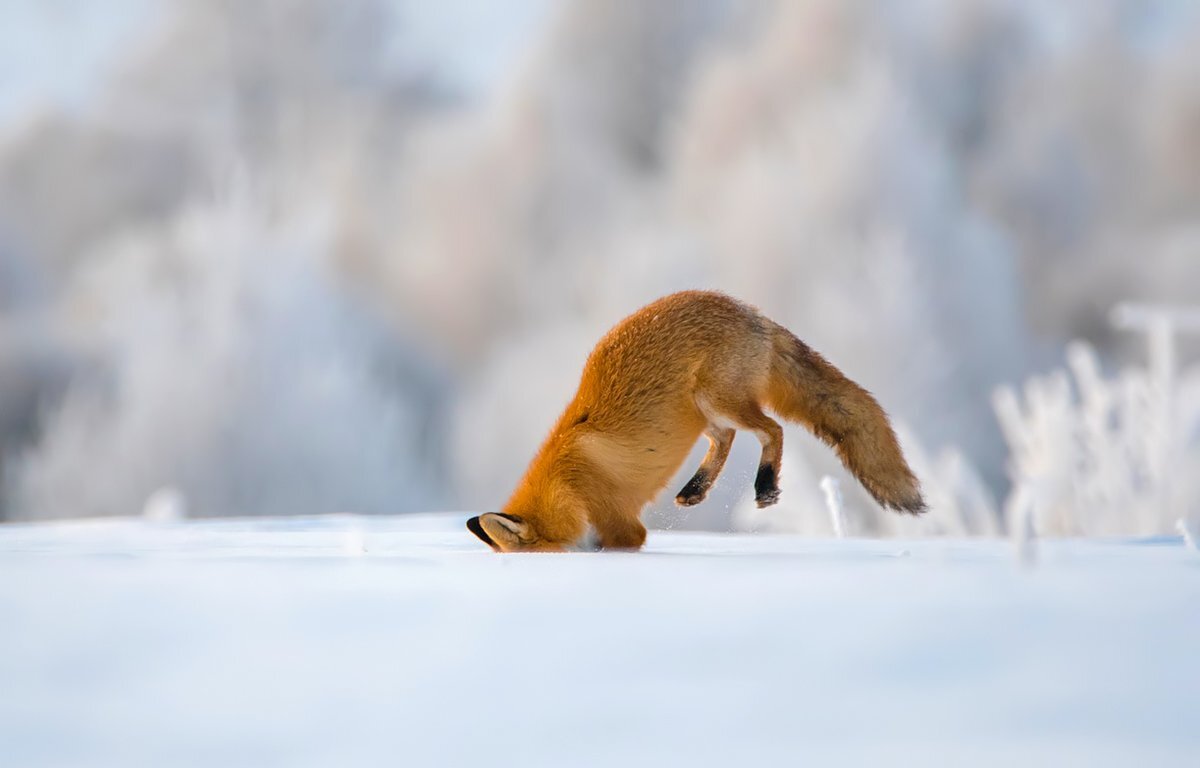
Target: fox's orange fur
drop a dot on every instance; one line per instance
(691, 363)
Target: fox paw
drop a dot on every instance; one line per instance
(766, 498)
(693, 492)
(766, 486)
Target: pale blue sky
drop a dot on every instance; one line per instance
(54, 53)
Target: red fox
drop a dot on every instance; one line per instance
(691, 363)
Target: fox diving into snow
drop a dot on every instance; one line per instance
(691, 363)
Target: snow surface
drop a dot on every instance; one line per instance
(402, 641)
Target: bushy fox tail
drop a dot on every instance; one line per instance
(804, 387)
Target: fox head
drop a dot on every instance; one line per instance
(509, 533)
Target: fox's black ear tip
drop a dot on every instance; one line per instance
(474, 526)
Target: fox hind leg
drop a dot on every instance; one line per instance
(746, 414)
(719, 441)
(770, 434)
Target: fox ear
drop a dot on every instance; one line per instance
(502, 532)
(474, 527)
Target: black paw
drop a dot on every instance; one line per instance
(766, 486)
(766, 498)
(693, 492)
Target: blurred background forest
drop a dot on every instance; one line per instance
(296, 257)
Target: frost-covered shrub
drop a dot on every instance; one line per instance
(1098, 455)
(228, 363)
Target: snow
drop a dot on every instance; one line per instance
(401, 640)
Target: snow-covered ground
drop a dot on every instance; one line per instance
(403, 641)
